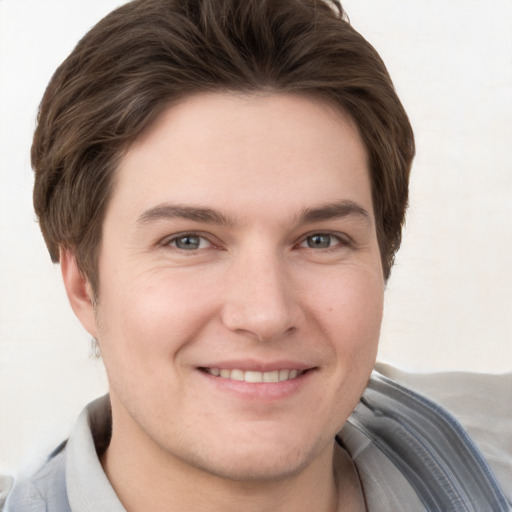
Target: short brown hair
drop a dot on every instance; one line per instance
(148, 53)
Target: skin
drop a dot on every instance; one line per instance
(240, 235)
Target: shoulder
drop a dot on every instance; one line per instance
(480, 402)
(45, 490)
(73, 466)
(429, 445)
(5, 486)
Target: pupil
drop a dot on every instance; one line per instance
(188, 242)
(319, 241)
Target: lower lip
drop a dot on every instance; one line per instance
(269, 391)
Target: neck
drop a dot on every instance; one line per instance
(145, 477)
(142, 484)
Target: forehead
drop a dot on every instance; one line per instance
(234, 150)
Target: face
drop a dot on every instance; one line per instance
(241, 287)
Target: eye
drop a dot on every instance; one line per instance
(188, 242)
(322, 241)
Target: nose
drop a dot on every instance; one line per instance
(260, 299)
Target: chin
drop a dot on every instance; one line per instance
(260, 458)
(253, 468)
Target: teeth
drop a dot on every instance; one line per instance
(271, 376)
(252, 376)
(255, 377)
(237, 375)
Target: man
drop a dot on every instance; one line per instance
(224, 185)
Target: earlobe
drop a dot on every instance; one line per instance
(79, 291)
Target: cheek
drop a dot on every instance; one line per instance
(354, 323)
(153, 316)
(354, 294)
(350, 311)
(364, 303)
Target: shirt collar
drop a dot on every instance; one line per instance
(89, 490)
(88, 487)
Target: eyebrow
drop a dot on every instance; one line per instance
(320, 213)
(336, 210)
(171, 211)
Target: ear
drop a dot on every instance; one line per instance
(79, 291)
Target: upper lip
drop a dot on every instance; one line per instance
(259, 366)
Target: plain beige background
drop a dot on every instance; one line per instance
(449, 300)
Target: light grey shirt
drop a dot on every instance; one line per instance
(74, 479)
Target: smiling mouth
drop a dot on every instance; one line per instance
(255, 376)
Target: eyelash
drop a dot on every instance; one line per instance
(167, 242)
(342, 241)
